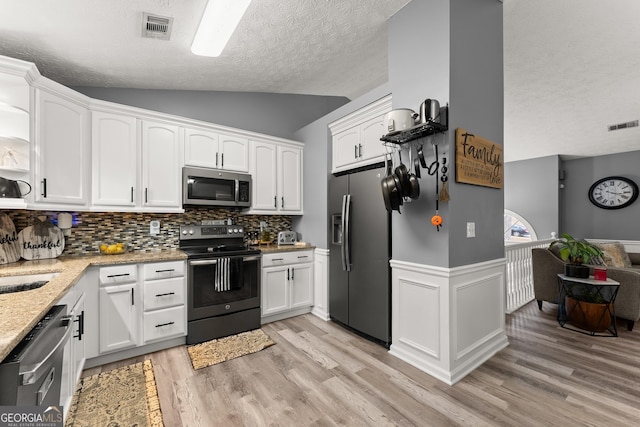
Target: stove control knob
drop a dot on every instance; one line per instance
(184, 232)
(235, 230)
(240, 230)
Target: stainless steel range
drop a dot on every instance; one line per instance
(223, 281)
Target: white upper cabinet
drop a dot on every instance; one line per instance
(137, 164)
(276, 171)
(62, 153)
(234, 152)
(264, 176)
(289, 179)
(206, 148)
(114, 151)
(356, 137)
(161, 165)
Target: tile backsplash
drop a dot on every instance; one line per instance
(90, 229)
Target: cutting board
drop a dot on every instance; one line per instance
(9, 240)
(41, 241)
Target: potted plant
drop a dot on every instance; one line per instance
(575, 253)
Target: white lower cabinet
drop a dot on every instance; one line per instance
(287, 284)
(165, 289)
(141, 304)
(74, 351)
(119, 308)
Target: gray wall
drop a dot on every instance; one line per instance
(532, 190)
(460, 63)
(269, 113)
(582, 219)
(424, 38)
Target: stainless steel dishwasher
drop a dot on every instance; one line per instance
(31, 374)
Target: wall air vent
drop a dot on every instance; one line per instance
(623, 125)
(156, 27)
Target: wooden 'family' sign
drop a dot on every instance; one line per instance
(478, 160)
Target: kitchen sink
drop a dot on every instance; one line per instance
(24, 282)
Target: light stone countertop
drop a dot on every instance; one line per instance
(20, 311)
(283, 248)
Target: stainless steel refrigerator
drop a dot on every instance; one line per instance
(360, 250)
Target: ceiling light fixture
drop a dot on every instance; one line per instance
(219, 21)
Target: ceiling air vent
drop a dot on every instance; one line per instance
(623, 125)
(156, 27)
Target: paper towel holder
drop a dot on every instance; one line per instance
(65, 222)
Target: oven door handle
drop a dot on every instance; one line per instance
(252, 258)
(204, 262)
(30, 377)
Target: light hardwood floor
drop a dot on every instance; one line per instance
(320, 374)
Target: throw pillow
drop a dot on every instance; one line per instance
(615, 255)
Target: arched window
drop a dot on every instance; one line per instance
(517, 229)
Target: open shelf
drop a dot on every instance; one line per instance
(419, 131)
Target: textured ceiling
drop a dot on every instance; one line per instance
(571, 67)
(315, 47)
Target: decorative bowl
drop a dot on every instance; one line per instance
(113, 248)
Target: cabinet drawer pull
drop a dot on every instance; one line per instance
(277, 259)
(164, 324)
(166, 270)
(165, 294)
(303, 256)
(118, 275)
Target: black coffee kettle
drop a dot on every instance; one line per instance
(9, 188)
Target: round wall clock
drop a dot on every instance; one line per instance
(613, 192)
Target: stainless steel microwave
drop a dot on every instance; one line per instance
(213, 187)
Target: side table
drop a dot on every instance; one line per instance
(588, 305)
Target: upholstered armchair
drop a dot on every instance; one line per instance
(547, 266)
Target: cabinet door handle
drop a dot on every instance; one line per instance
(44, 187)
(80, 320)
(222, 160)
(117, 275)
(216, 159)
(131, 194)
(164, 324)
(146, 195)
(165, 294)
(359, 150)
(275, 201)
(355, 151)
(288, 274)
(292, 270)
(282, 202)
(133, 300)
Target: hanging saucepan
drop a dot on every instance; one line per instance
(391, 192)
(416, 165)
(402, 173)
(423, 162)
(414, 185)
